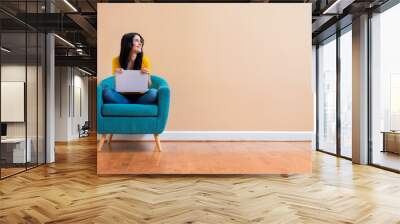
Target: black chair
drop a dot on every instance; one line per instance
(84, 130)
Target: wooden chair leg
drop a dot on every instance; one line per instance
(158, 143)
(101, 142)
(110, 139)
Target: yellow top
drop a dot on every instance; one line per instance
(145, 63)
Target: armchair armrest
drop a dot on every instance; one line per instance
(99, 100)
(163, 100)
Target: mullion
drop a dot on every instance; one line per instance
(317, 96)
(369, 90)
(26, 87)
(46, 2)
(37, 90)
(338, 94)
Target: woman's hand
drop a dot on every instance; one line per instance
(119, 71)
(145, 71)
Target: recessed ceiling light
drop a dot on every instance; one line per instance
(70, 5)
(5, 50)
(84, 71)
(64, 40)
(337, 7)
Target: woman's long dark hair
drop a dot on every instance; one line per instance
(126, 47)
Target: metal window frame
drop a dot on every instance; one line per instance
(44, 74)
(381, 9)
(339, 32)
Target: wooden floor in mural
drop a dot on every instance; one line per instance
(251, 157)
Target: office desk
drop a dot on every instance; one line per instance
(13, 150)
(391, 141)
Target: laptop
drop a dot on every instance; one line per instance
(131, 81)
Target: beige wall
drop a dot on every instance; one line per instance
(231, 67)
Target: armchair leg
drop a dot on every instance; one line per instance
(101, 143)
(158, 143)
(109, 139)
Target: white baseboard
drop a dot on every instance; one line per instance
(223, 136)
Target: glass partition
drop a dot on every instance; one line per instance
(13, 86)
(22, 91)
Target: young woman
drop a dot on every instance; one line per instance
(131, 57)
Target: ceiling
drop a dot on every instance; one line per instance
(75, 22)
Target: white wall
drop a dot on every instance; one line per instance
(79, 117)
(70, 83)
(62, 83)
(15, 72)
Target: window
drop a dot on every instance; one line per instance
(327, 95)
(334, 106)
(346, 92)
(385, 89)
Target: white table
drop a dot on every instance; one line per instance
(18, 149)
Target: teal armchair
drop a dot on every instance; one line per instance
(133, 118)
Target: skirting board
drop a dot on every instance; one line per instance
(222, 136)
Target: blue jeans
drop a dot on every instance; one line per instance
(149, 97)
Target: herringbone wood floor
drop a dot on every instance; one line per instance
(69, 191)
